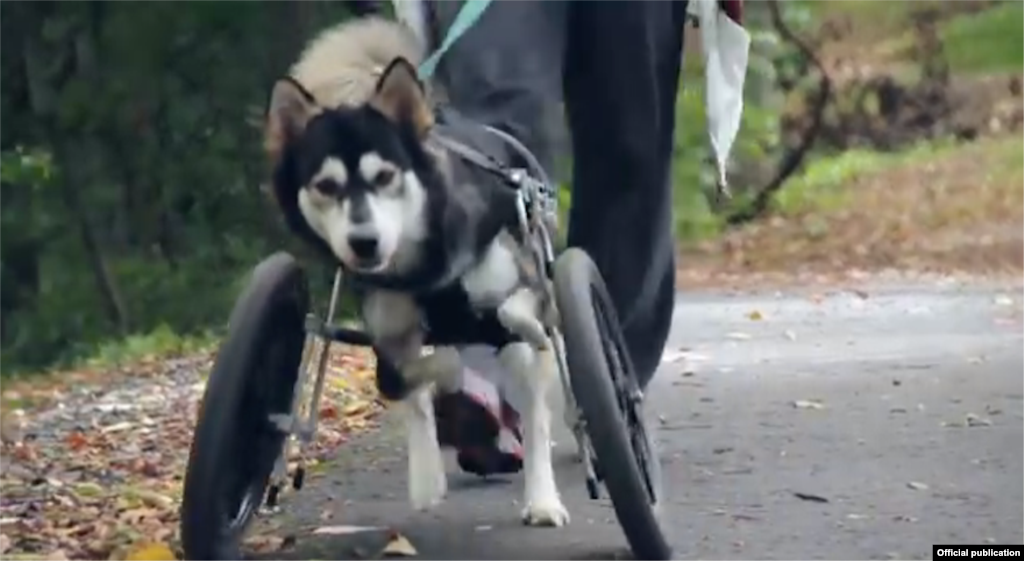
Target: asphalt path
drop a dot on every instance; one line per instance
(850, 425)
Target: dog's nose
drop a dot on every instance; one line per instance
(364, 246)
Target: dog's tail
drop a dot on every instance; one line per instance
(342, 64)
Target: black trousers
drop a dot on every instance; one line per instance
(615, 65)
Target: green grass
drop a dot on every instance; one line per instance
(161, 342)
(821, 186)
(1010, 164)
(881, 14)
(988, 41)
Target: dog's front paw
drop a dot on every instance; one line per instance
(546, 512)
(427, 487)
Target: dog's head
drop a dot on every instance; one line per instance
(351, 173)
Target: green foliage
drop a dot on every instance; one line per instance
(141, 125)
(161, 342)
(882, 15)
(988, 41)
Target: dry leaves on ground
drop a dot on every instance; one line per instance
(956, 213)
(94, 470)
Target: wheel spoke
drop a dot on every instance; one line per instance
(628, 395)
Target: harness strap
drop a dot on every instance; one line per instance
(468, 15)
(472, 155)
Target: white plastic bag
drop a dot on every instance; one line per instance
(726, 51)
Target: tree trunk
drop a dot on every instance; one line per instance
(66, 157)
(43, 95)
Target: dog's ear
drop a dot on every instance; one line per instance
(291, 109)
(401, 97)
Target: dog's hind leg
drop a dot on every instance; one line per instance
(534, 363)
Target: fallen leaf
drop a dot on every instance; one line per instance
(88, 489)
(151, 498)
(810, 497)
(25, 452)
(151, 552)
(12, 426)
(755, 316)
(976, 421)
(77, 440)
(353, 409)
(264, 543)
(344, 530)
(807, 404)
(399, 546)
(117, 427)
(671, 356)
(917, 486)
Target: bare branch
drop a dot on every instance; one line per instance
(792, 159)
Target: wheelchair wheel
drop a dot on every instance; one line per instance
(235, 445)
(605, 388)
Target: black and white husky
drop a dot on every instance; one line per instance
(433, 245)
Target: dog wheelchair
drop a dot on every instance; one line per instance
(258, 402)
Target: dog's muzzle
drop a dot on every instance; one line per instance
(366, 249)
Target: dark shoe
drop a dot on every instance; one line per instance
(466, 422)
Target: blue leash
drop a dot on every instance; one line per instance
(468, 15)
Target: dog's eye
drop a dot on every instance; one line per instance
(384, 177)
(326, 187)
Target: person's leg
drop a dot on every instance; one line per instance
(622, 70)
(504, 72)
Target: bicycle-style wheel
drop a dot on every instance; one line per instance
(235, 444)
(605, 388)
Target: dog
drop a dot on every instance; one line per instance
(433, 245)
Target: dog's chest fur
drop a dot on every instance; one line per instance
(474, 256)
(466, 311)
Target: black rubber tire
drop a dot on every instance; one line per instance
(265, 337)
(578, 284)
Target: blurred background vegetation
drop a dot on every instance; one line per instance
(132, 175)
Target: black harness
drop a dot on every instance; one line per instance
(450, 318)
